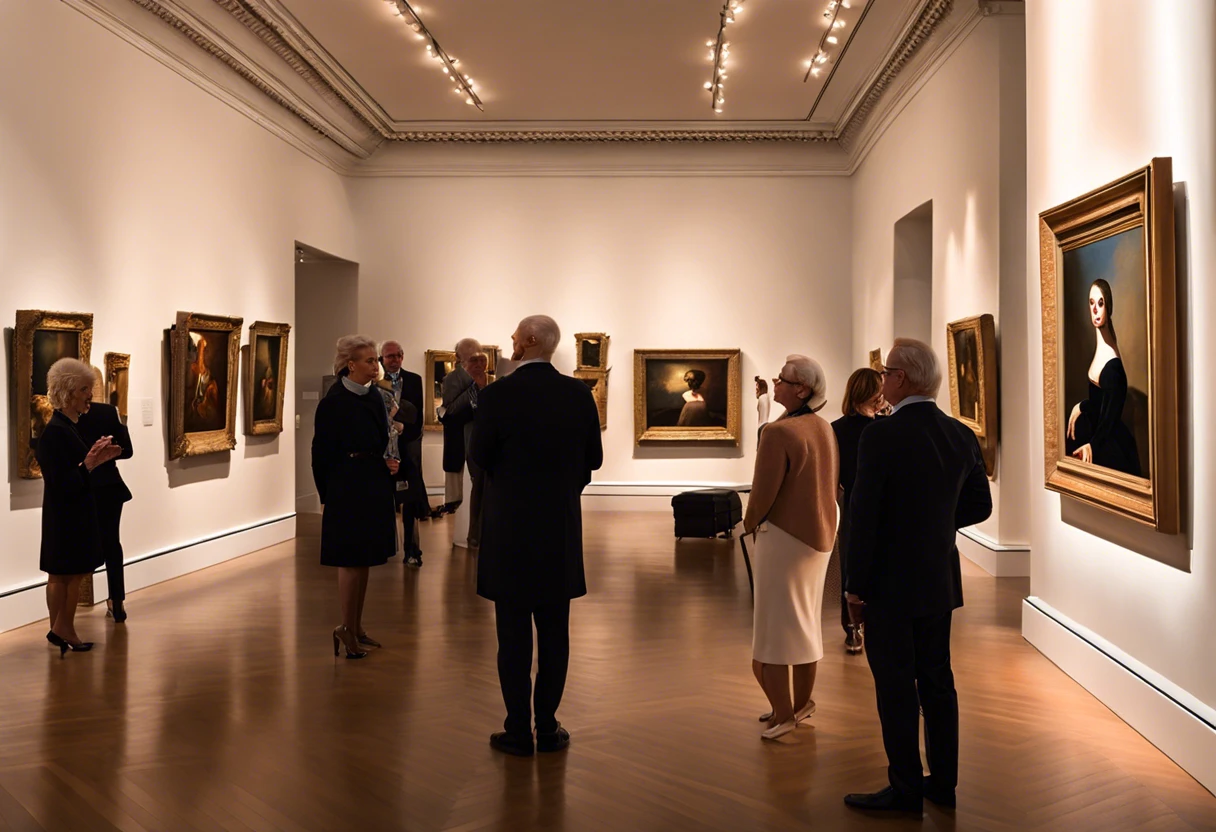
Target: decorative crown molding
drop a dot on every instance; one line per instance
(921, 28)
(505, 136)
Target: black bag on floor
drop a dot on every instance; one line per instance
(707, 513)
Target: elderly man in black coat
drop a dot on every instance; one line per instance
(920, 478)
(110, 492)
(537, 437)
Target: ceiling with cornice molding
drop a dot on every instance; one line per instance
(624, 63)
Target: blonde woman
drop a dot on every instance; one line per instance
(71, 535)
(355, 479)
(794, 491)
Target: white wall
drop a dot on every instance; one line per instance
(1093, 116)
(130, 193)
(755, 262)
(954, 142)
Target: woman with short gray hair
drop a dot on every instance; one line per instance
(794, 492)
(71, 535)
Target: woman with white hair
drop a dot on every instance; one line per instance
(71, 535)
(794, 492)
(355, 476)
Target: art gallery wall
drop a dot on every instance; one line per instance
(710, 260)
(1125, 610)
(131, 193)
(958, 141)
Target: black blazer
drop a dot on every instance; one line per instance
(537, 436)
(920, 478)
(848, 436)
(71, 536)
(358, 525)
(102, 420)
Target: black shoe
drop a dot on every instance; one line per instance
(855, 641)
(555, 741)
(887, 800)
(514, 745)
(414, 560)
(940, 797)
(53, 639)
(117, 612)
(83, 647)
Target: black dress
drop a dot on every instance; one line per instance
(358, 523)
(1101, 425)
(71, 537)
(848, 437)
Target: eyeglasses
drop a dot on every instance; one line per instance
(786, 380)
(394, 355)
(886, 371)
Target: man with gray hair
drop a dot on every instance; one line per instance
(920, 478)
(461, 388)
(537, 437)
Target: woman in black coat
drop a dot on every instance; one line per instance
(71, 535)
(862, 402)
(356, 481)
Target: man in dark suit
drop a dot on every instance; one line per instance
(411, 491)
(920, 478)
(537, 437)
(110, 492)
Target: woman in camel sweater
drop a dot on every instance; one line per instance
(794, 491)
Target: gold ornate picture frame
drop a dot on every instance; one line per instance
(687, 396)
(876, 360)
(118, 372)
(204, 361)
(597, 382)
(591, 350)
(1110, 348)
(266, 378)
(39, 340)
(438, 363)
(971, 349)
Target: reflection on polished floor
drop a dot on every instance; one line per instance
(220, 706)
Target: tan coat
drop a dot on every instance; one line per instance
(794, 487)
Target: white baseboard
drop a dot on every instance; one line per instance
(997, 559)
(1167, 716)
(28, 604)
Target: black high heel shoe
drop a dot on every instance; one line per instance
(83, 647)
(340, 637)
(368, 641)
(58, 642)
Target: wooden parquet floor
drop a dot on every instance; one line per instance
(219, 706)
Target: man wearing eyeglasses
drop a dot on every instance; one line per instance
(920, 478)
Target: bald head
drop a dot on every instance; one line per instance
(537, 336)
(466, 348)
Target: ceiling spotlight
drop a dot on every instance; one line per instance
(463, 84)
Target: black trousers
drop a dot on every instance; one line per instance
(109, 518)
(478, 478)
(910, 659)
(514, 624)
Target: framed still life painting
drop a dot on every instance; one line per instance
(266, 378)
(438, 364)
(687, 396)
(118, 371)
(204, 353)
(971, 349)
(1110, 348)
(39, 340)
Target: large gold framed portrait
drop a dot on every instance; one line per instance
(687, 396)
(118, 373)
(1110, 348)
(438, 364)
(39, 340)
(204, 357)
(266, 378)
(971, 348)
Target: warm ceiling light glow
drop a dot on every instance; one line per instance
(828, 38)
(403, 10)
(719, 51)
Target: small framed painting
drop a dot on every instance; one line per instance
(118, 368)
(39, 340)
(971, 346)
(591, 350)
(266, 378)
(204, 353)
(597, 383)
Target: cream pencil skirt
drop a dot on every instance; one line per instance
(789, 575)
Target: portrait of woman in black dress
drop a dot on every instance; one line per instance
(1096, 431)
